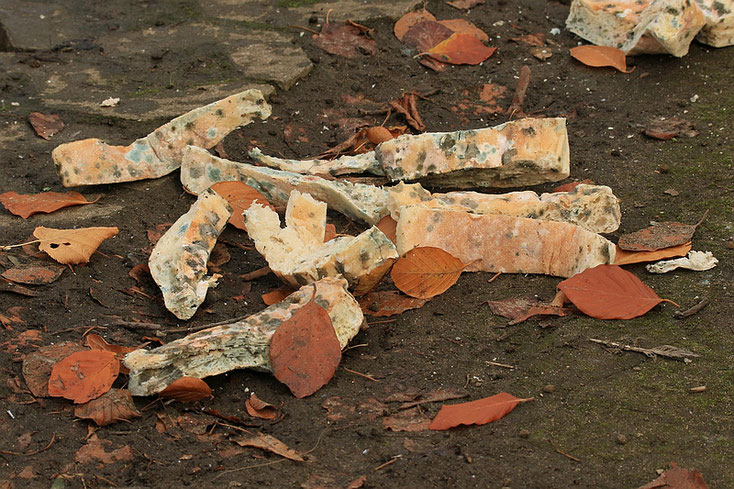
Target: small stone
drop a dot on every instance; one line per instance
(621, 439)
(549, 388)
(672, 192)
(729, 244)
(524, 433)
(664, 169)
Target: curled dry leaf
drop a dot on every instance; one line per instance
(388, 303)
(25, 205)
(305, 351)
(71, 246)
(407, 106)
(609, 292)
(269, 443)
(403, 25)
(33, 274)
(37, 365)
(601, 56)
(116, 405)
(345, 39)
(624, 257)
(276, 295)
(84, 375)
(426, 272)
(658, 236)
(187, 389)
(378, 134)
(461, 49)
(45, 125)
(678, 478)
(240, 196)
(258, 408)
(479, 412)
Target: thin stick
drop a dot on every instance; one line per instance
(518, 100)
(255, 274)
(494, 277)
(304, 28)
(33, 452)
(666, 351)
(389, 462)
(355, 346)
(563, 453)
(8, 247)
(386, 321)
(693, 310)
(103, 479)
(368, 377)
(496, 364)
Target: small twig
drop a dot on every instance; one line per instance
(368, 377)
(304, 28)
(389, 462)
(9, 247)
(386, 321)
(497, 364)
(518, 100)
(494, 277)
(255, 274)
(103, 479)
(563, 453)
(355, 346)
(33, 452)
(693, 310)
(86, 328)
(666, 351)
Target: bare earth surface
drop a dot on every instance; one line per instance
(600, 419)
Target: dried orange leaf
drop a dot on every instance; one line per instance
(658, 236)
(388, 303)
(84, 375)
(45, 125)
(258, 408)
(426, 272)
(329, 232)
(71, 246)
(37, 365)
(187, 389)
(378, 134)
(481, 411)
(624, 257)
(305, 351)
(461, 49)
(25, 205)
(410, 19)
(609, 292)
(678, 478)
(240, 196)
(33, 274)
(345, 39)
(600, 56)
(271, 444)
(425, 35)
(115, 405)
(96, 342)
(466, 27)
(276, 295)
(389, 227)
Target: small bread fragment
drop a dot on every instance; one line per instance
(179, 258)
(719, 29)
(200, 169)
(523, 152)
(93, 162)
(494, 243)
(297, 253)
(592, 207)
(240, 344)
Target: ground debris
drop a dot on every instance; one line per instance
(699, 261)
(666, 351)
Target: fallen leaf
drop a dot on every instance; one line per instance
(8, 286)
(672, 192)
(33, 274)
(378, 134)
(45, 125)
(410, 420)
(37, 365)
(658, 236)
(260, 409)
(71, 246)
(340, 410)
(479, 412)
(269, 443)
(139, 271)
(11, 317)
(519, 310)
(567, 187)
(388, 303)
(541, 53)
(345, 39)
(240, 196)
(94, 451)
(609, 292)
(96, 342)
(465, 4)
(461, 49)
(407, 107)
(219, 256)
(116, 405)
(669, 128)
(187, 389)
(357, 483)
(425, 35)
(535, 40)
(426, 272)
(403, 25)
(304, 350)
(276, 295)
(25, 205)
(84, 375)
(624, 257)
(600, 56)
(466, 27)
(434, 396)
(678, 478)
(389, 227)
(27, 473)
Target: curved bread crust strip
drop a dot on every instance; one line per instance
(343, 165)
(200, 169)
(593, 207)
(92, 162)
(241, 344)
(179, 258)
(494, 243)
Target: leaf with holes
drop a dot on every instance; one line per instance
(388, 303)
(601, 56)
(461, 49)
(187, 389)
(240, 196)
(481, 411)
(609, 292)
(116, 405)
(624, 257)
(304, 350)
(426, 272)
(25, 205)
(84, 375)
(71, 246)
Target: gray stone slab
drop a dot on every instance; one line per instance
(271, 57)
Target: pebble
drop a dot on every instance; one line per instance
(524, 433)
(549, 388)
(621, 439)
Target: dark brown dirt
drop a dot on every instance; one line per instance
(598, 397)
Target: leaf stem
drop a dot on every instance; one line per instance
(8, 247)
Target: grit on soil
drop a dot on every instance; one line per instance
(620, 416)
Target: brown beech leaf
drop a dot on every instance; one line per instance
(609, 292)
(240, 196)
(389, 227)
(624, 257)
(304, 350)
(84, 375)
(600, 56)
(71, 246)
(378, 134)
(345, 39)
(678, 478)
(658, 236)
(37, 365)
(388, 303)
(407, 106)
(116, 405)
(94, 451)
(461, 49)
(276, 295)
(187, 389)
(567, 187)
(410, 19)
(33, 274)
(25, 205)
(534, 40)
(519, 310)
(260, 409)
(669, 129)
(270, 444)
(45, 125)
(466, 27)
(481, 411)
(426, 272)
(96, 342)
(410, 420)
(465, 4)
(425, 35)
